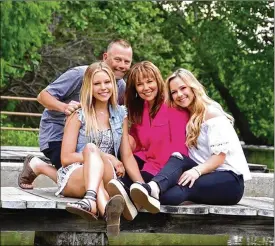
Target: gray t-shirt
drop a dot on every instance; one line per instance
(65, 88)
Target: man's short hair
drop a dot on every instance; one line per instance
(120, 42)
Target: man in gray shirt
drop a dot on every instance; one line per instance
(61, 98)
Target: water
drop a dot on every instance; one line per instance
(260, 155)
(27, 238)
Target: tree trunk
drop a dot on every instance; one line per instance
(240, 120)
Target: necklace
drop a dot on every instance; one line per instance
(101, 113)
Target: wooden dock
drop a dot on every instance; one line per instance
(41, 211)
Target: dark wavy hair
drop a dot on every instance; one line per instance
(133, 101)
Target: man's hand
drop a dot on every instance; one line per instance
(71, 107)
(118, 165)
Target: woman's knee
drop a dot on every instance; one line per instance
(89, 149)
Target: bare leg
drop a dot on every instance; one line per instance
(108, 173)
(103, 196)
(87, 177)
(87, 182)
(40, 167)
(102, 199)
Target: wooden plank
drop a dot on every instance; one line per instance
(30, 201)
(257, 167)
(47, 220)
(61, 220)
(269, 200)
(49, 193)
(62, 201)
(257, 202)
(266, 213)
(200, 224)
(20, 156)
(185, 209)
(265, 207)
(11, 166)
(6, 154)
(20, 148)
(232, 210)
(45, 198)
(12, 202)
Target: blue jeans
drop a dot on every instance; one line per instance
(215, 188)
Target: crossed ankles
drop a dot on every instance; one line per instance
(141, 193)
(86, 208)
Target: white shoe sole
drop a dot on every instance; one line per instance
(140, 196)
(114, 187)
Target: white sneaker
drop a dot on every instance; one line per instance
(141, 195)
(116, 187)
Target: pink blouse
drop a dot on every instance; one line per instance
(158, 139)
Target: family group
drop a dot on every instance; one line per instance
(122, 146)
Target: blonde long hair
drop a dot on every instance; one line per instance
(198, 107)
(87, 100)
(133, 101)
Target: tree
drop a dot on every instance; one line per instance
(229, 45)
(24, 30)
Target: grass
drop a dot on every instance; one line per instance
(27, 238)
(19, 138)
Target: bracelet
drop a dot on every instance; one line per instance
(198, 170)
(111, 162)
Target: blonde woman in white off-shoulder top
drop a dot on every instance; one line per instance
(215, 171)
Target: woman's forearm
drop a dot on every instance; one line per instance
(212, 163)
(132, 169)
(71, 158)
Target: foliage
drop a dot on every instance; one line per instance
(24, 30)
(19, 138)
(228, 45)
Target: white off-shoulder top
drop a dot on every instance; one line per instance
(217, 136)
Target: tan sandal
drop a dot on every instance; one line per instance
(27, 176)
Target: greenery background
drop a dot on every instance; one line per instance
(227, 44)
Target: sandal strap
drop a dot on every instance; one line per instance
(90, 194)
(84, 204)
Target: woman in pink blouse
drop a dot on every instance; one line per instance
(157, 130)
(215, 171)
